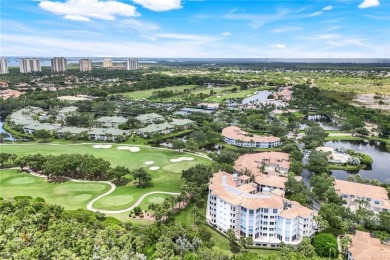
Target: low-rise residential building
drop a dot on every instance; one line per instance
(363, 195)
(106, 134)
(165, 128)
(267, 217)
(235, 136)
(365, 247)
(111, 121)
(149, 118)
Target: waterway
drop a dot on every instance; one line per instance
(10, 138)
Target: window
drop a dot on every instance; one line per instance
(275, 211)
(265, 210)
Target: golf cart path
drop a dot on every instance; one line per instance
(112, 189)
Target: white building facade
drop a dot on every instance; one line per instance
(131, 64)
(3, 66)
(58, 64)
(85, 65)
(267, 218)
(30, 65)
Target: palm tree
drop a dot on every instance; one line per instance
(332, 249)
(172, 200)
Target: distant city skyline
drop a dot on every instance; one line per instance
(199, 29)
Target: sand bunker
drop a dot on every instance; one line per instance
(154, 168)
(130, 148)
(102, 146)
(182, 159)
(149, 162)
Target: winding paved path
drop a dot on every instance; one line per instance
(112, 189)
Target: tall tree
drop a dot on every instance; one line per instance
(143, 177)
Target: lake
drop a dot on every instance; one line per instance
(260, 96)
(379, 170)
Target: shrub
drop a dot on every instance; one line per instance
(325, 244)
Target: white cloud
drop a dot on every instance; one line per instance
(83, 10)
(326, 8)
(256, 20)
(138, 25)
(226, 34)
(286, 29)
(159, 5)
(278, 46)
(369, 3)
(181, 36)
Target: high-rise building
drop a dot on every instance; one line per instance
(29, 65)
(107, 63)
(85, 65)
(132, 64)
(236, 203)
(58, 64)
(3, 66)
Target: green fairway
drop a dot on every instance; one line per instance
(77, 195)
(70, 195)
(140, 94)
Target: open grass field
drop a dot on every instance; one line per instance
(77, 195)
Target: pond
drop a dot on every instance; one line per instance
(260, 96)
(324, 121)
(379, 170)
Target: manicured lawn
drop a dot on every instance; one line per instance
(140, 94)
(167, 178)
(70, 195)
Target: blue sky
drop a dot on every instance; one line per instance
(196, 28)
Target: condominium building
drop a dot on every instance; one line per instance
(107, 63)
(29, 65)
(3, 66)
(58, 64)
(131, 64)
(85, 65)
(363, 195)
(258, 163)
(266, 216)
(366, 247)
(235, 136)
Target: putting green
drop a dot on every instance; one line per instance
(113, 202)
(21, 180)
